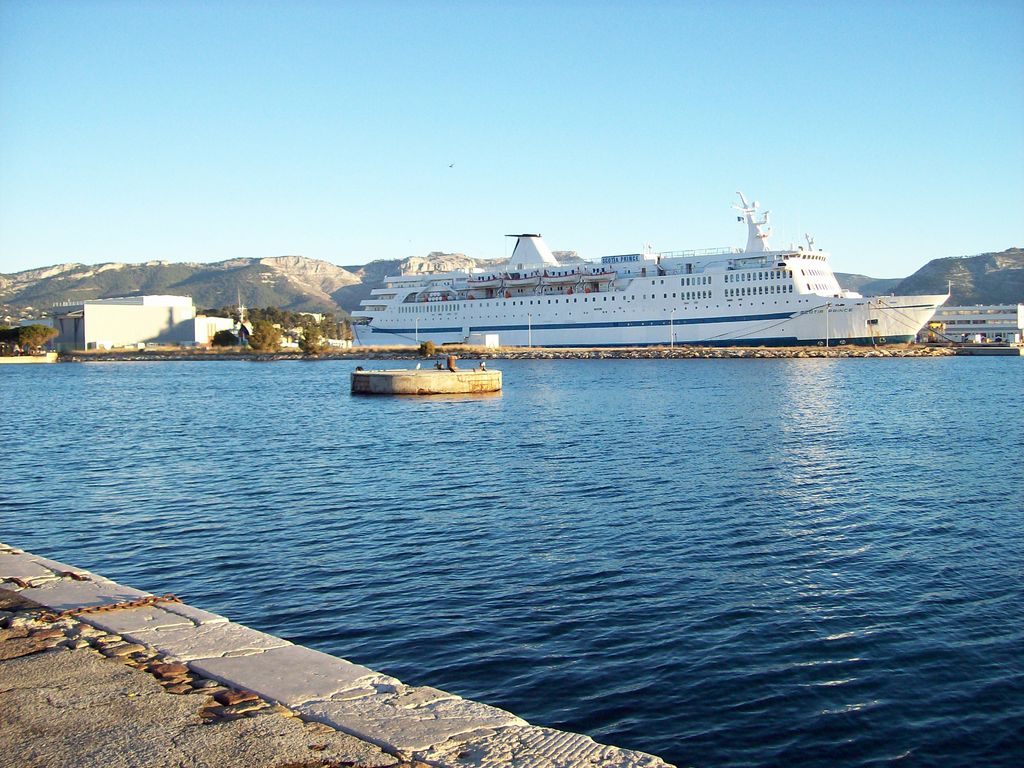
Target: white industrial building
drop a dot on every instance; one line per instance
(206, 328)
(131, 322)
(981, 324)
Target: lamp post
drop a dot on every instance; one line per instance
(827, 306)
(672, 328)
(529, 330)
(417, 330)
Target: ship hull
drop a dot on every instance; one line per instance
(888, 320)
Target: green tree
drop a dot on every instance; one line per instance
(8, 338)
(34, 336)
(224, 338)
(219, 312)
(312, 341)
(265, 337)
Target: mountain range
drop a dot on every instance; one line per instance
(298, 283)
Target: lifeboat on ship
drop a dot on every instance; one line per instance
(599, 275)
(485, 281)
(522, 279)
(560, 277)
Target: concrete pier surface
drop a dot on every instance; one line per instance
(991, 350)
(461, 381)
(93, 673)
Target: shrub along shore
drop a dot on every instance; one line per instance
(465, 352)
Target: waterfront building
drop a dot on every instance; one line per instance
(207, 327)
(125, 322)
(978, 324)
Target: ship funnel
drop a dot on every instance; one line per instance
(531, 251)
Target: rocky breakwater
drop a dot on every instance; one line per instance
(90, 669)
(516, 353)
(657, 353)
(710, 353)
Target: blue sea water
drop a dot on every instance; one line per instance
(723, 562)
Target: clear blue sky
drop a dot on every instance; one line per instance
(201, 131)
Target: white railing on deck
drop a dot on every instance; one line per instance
(697, 253)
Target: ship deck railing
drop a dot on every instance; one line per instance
(698, 252)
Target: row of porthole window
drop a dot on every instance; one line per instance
(454, 307)
(684, 295)
(758, 290)
(816, 273)
(447, 306)
(774, 274)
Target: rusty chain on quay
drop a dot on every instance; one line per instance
(139, 603)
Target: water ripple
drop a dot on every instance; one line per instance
(805, 562)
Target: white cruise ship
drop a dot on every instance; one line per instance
(717, 297)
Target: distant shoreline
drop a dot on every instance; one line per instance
(514, 353)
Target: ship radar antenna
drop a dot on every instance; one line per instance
(810, 242)
(758, 232)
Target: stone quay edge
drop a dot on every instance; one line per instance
(412, 723)
(466, 352)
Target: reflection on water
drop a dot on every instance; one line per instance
(747, 562)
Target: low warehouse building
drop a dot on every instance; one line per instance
(125, 322)
(979, 324)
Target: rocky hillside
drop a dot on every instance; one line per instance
(298, 283)
(991, 278)
(289, 282)
(867, 286)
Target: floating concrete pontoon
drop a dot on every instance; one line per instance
(469, 381)
(46, 357)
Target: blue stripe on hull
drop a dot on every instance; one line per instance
(413, 331)
(575, 326)
(775, 341)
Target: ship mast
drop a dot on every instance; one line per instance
(758, 232)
